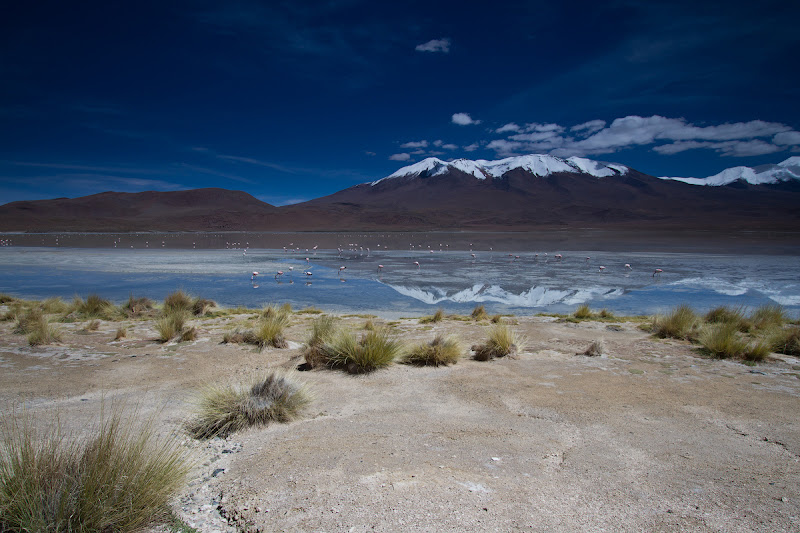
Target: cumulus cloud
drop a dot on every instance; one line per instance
(472, 147)
(415, 144)
(463, 119)
(435, 45)
(508, 127)
(399, 157)
(450, 146)
(668, 135)
(787, 138)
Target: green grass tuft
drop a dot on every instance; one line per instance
(177, 301)
(441, 351)
(137, 307)
(120, 478)
(728, 315)
(170, 325)
(310, 311)
(222, 410)
(681, 323)
(502, 342)
(582, 312)
(786, 341)
(723, 340)
(438, 316)
(768, 316)
(605, 313)
(93, 307)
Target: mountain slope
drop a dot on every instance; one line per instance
(787, 171)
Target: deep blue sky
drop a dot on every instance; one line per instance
(294, 100)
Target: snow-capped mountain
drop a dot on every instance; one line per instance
(785, 171)
(535, 164)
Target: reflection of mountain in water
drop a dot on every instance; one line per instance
(534, 297)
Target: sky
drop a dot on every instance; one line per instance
(294, 100)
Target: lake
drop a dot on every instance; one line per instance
(519, 282)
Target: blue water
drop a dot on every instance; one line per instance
(454, 280)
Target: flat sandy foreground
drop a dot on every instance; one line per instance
(650, 437)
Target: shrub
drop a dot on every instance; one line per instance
(136, 307)
(374, 350)
(723, 340)
(502, 342)
(768, 316)
(681, 323)
(583, 311)
(222, 410)
(438, 316)
(440, 351)
(120, 478)
(479, 313)
(595, 349)
(786, 341)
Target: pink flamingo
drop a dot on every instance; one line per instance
(473, 255)
(587, 258)
(558, 257)
(416, 263)
(658, 272)
(307, 260)
(341, 268)
(254, 275)
(602, 268)
(279, 274)
(380, 268)
(628, 266)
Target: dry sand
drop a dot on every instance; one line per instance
(651, 436)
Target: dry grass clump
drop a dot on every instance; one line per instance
(605, 313)
(681, 323)
(121, 333)
(438, 316)
(92, 325)
(269, 331)
(222, 410)
(728, 315)
(310, 311)
(374, 350)
(93, 307)
(173, 325)
(502, 342)
(54, 306)
(479, 313)
(202, 307)
(137, 307)
(119, 478)
(441, 351)
(786, 341)
(596, 349)
(7, 298)
(272, 310)
(768, 316)
(582, 312)
(323, 330)
(723, 340)
(32, 322)
(369, 325)
(180, 302)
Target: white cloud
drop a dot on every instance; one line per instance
(725, 148)
(463, 119)
(787, 138)
(438, 142)
(399, 157)
(415, 144)
(450, 146)
(508, 127)
(537, 127)
(472, 147)
(587, 128)
(435, 45)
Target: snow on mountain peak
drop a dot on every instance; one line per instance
(761, 175)
(536, 164)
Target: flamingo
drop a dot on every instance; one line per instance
(255, 274)
(279, 274)
(341, 268)
(558, 257)
(657, 272)
(416, 263)
(380, 268)
(602, 268)
(628, 266)
(307, 260)
(473, 255)
(587, 258)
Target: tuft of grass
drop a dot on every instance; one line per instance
(768, 316)
(376, 349)
(44, 333)
(369, 325)
(119, 478)
(177, 301)
(438, 316)
(595, 349)
(170, 325)
(479, 313)
(681, 323)
(605, 313)
(54, 306)
(786, 341)
(27, 320)
(202, 307)
(323, 330)
(94, 325)
(222, 410)
(189, 334)
(310, 311)
(441, 351)
(6, 298)
(93, 307)
(582, 312)
(728, 315)
(501, 342)
(757, 351)
(269, 331)
(723, 340)
(121, 333)
(136, 307)
(240, 337)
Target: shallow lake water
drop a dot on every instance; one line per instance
(505, 282)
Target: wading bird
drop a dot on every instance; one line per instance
(657, 272)
(380, 268)
(279, 274)
(416, 263)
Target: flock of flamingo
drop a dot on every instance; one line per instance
(354, 248)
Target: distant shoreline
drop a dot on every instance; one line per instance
(670, 241)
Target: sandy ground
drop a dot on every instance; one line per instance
(651, 436)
